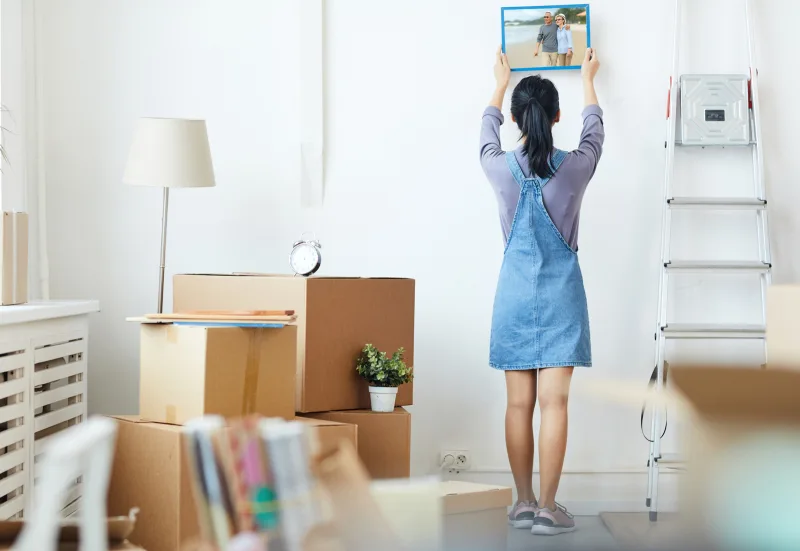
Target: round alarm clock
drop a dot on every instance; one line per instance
(305, 258)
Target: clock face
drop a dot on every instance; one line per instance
(304, 259)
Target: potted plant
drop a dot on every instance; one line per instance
(384, 375)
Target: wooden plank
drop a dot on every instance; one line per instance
(47, 353)
(14, 435)
(41, 442)
(12, 387)
(14, 411)
(13, 482)
(248, 313)
(219, 317)
(13, 459)
(47, 420)
(48, 397)
(10, 346)
(46, 339)
(72, 509)
(12, 362)
(12, 507)
(72, 496)
(58, 372)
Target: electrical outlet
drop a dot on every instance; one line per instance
(456, 460)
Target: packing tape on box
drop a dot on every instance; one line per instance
(171, 415)
(172, 334)
(251, 370)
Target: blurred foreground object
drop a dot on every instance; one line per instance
(770, 487)
(740, 445)
(319, 495)
(783, 326)
(82, 451)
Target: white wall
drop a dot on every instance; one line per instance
(405, 196)
(12, 95)
(17, 94)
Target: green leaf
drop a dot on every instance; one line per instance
(378, 369)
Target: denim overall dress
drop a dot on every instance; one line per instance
(540, 316)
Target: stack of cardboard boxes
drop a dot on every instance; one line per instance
(307, 367)
(336, 317)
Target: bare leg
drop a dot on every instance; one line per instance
(521, 393)
(553, 394)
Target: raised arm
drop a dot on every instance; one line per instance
(588, 71)
(593, 134)
(493, 115)
(502, 76)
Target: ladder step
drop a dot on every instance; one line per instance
(717, 203)
(671, 458)
(712, 331)
(673, 461)
(718, 265)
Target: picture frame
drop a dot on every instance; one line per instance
(522, 27)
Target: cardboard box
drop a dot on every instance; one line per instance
(741, 419)
(118, 529)
(13, 258)
(384, 440)
(783, 326)
(150, 472)
(336, 318)
(475, 515)
(189, 371)
(354, 514)
(430, 515)
(414, 509)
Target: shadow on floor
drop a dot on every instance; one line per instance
(591, 534)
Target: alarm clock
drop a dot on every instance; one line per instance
(305, 258)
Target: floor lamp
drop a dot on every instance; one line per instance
(169, 153)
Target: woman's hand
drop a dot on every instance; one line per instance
(589, 70)
(569, 51)
(502, 75)
(502, 71)
(590, 64)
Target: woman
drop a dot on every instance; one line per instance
(540, 323)
(564, 37)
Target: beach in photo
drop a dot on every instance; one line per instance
(521, 28)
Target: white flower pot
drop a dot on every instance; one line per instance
(382, 398)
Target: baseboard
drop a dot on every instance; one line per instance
(595, 493)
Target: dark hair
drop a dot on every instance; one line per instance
(534, 105)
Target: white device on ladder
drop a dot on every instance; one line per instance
(708, 110)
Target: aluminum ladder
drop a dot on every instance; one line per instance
(666, 330)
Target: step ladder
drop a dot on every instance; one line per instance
(707, 110)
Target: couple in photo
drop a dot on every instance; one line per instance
(555, 41)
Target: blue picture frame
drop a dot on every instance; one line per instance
(552, 8)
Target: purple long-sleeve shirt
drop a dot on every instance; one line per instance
(563, 194)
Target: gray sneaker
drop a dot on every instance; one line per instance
(521, 516)
(550, 522)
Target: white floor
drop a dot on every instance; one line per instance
(590, 535)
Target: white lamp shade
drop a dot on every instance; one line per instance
(170, 153)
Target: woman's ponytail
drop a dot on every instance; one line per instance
(534, 105)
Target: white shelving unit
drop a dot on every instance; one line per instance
(43, 378)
